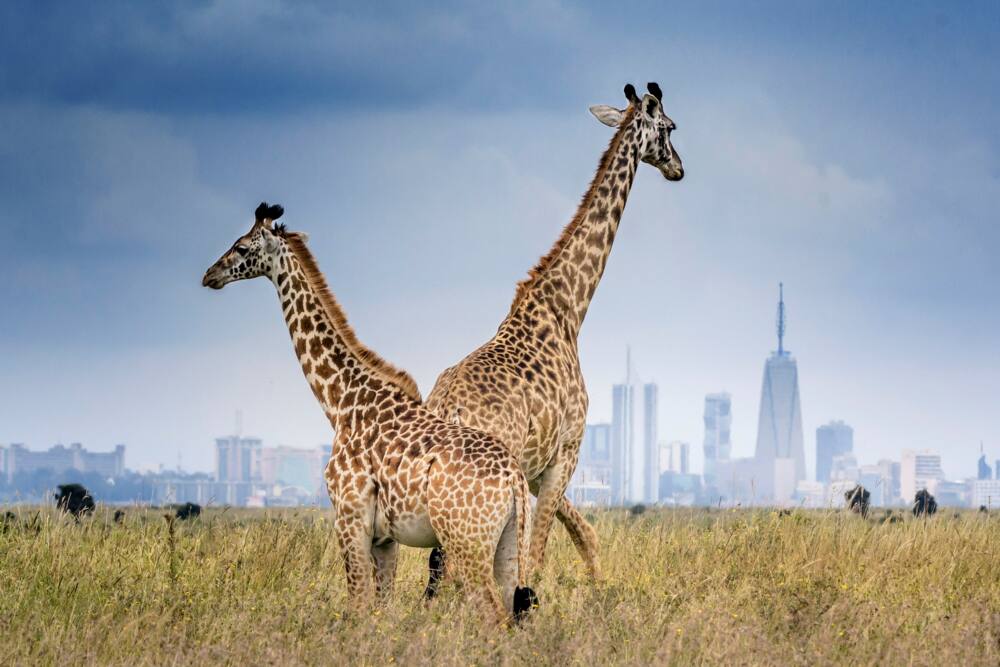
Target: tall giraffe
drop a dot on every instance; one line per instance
(525, 385)
(398, 474)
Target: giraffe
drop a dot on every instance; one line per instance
(525, 385)
(398, 474)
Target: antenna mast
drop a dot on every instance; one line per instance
(781, 319)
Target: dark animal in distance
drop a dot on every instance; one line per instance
(119, 516)
(74, 499)
(924, 503)
(636, 510)
(983, 509)
(858, 500)
(188, 511)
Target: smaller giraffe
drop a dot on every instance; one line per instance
(398, 474)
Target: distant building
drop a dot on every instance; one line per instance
(675, 457)
(833, 439)
(717, 445)
(591, 482)
(297, 471)
(919, 470)
(952, 493)
(986, 492)
(844, 467)
(3, 462)
(780, 456)
(237, 468)
(882, 481)
(59, 459)
(984, 471)
(811, 494)
(679, 489)
(633, 440)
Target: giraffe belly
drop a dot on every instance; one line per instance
(413, 530)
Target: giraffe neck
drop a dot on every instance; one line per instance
(342, 373)
(564, 280)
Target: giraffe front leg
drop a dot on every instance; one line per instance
(385, 568)
(354, 537)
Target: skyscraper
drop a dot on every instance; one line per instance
(832, 440)
(780, 456)
(591, 482)
(919, 470)
(717, 445)
(635, 468)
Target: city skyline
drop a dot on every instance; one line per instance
(129, 167)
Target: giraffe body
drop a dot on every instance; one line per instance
(398, 473)
(525, 385)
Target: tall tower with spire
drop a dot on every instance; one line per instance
(635, 464)
(780, 454)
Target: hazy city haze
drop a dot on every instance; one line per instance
(433, 156)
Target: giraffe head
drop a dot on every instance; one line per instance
(653, 128)
(253, 254)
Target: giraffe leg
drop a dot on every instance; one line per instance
(551, 488)
(474, 566)
(505, 563)
(356, 547)
(436, 566)
(385, 568)
(583, 535)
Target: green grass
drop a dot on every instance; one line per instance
(680, 587)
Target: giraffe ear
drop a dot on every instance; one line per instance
(610, 116)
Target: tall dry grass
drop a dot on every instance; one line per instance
(681, 587)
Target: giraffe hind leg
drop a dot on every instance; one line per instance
(583, 535)
(436, 567)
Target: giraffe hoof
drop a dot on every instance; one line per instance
(525, 599)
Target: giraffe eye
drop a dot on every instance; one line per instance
(242, 249)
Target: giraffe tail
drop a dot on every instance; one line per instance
(525, 597)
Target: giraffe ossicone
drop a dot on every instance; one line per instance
(398, 474)
(525, 386)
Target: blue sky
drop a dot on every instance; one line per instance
(433, 153)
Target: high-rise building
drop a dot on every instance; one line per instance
(635, 469)
(780, 456)
(675, 457)
(919, 470)
(237, 468)
(984, 470)
(299, 468)
(718, 445)
(591, 482)
(833, 439)
(59, 458)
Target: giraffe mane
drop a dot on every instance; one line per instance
(317, 281)
(524, 286)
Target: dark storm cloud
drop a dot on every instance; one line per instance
(253, 57)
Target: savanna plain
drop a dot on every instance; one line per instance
(708, 586)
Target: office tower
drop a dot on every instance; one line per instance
(717, 446)
(984, 469)
(60, 459)
(591, 482)
(832, 440)
(675, 457)
(635, 469)
(237, 459)
(919, 470)
(780, 455)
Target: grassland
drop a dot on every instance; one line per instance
(680, 587)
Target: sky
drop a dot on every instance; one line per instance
(849, 150)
